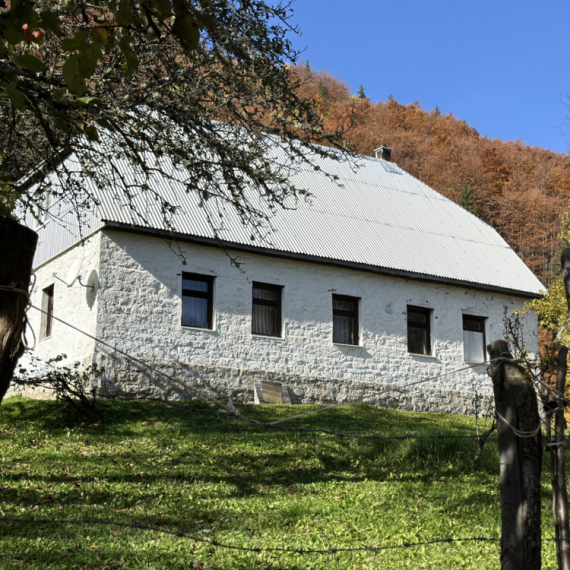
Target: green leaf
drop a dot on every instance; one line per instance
(125, 13)
(162, 9)
(73, 77)
(100, 36)
(86, 101)
(132, 61)
(29, 61)
(105, 124)
(186, 29)
(62, 125)
(59, 93)
(77, 42)
(17, 98)
(89, 56)
(91, 133)
(13, 35)
(50, 21)
(207, 21)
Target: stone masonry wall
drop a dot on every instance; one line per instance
(75, 304)
(139, 311)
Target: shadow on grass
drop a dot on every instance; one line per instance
(326, 457)
(357, 418)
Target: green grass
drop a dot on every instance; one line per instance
(223, 479)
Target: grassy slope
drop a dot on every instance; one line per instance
(225, 479)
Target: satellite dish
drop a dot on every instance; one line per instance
(92, 288)
(74, 270)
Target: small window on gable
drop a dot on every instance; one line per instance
(266, 309)
(419, 334)
(345, 319)
(474, 339)
(197, 300)
(46, 325)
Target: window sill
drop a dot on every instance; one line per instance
(430, 356)
(473, 363)
(267, 337)
(189, 328)
(348, 345)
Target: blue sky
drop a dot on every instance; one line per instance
(502, 65)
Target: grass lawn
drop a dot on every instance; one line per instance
(222, 479)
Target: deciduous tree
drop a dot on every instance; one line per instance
(203, 82)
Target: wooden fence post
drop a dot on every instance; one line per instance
(561, 494)
(520, 456)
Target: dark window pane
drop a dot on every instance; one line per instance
(197, 300)
(264, 320)
(343, 305)
(266, 294)
(47, 316)
(195, 285)
(470, 324)
(345, 319)
(343, 330)
(266, 309)
(195, 312)
(417, 316)
(417, 340)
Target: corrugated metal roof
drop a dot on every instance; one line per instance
(375, 214)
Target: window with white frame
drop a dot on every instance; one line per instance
(419, 330)
(345, 319)
(474, 339)
(266, 309)
(197, 300)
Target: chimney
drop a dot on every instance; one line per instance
(383, 152)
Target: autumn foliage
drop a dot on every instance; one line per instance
(522, 191)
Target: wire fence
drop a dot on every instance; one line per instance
(231, 410)
(217, 544)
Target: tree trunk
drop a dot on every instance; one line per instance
(17, 248)
(520, 456)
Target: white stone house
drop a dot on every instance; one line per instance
(376, 282)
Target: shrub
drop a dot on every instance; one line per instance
(76, 384)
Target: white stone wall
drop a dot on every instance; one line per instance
(139, 310)
(76, 304)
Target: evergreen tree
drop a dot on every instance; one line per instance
(467, 199)
(361, 94)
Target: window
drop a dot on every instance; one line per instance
(419, 337)
(266, 309)
(345, 319)
(474, 339)
(47, 314)
(197, 300)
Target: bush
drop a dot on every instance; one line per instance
(76, 385)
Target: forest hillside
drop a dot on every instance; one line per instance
(521, 190)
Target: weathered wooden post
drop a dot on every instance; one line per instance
(17, 247)
(561, 494)
(563, 549)
(520, 456)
